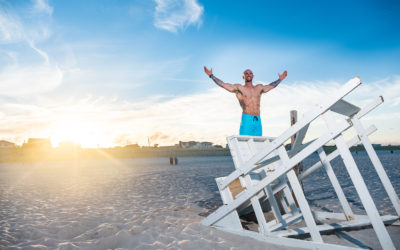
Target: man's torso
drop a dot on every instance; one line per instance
(249, 98)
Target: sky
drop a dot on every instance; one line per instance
(111, 73)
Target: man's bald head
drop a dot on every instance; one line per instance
(248, 75)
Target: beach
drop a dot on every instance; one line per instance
(144, 203)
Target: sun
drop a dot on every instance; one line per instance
(80, 132)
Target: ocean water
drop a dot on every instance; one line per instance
(119, 202)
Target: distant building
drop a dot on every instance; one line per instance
(188, 144)
(38, 143)
(6, 144)
(195, 144)
(206, 144)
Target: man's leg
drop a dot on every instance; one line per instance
(250, 125)
(257, 126)
(245, 125)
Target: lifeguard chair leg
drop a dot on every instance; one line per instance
(361, 188)
(336, 185)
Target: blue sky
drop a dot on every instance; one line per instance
(116, 72)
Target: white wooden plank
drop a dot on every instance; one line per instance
(300, 136)
(288, 220)
(231, 220)
(370, 107)
(292, 204)
(274, 205)
(334, 226)
(288, 242)
(226, 195)
(283, 203)
(320, 215)
(336, 185)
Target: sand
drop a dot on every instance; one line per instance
(113, 204)
(117, 204)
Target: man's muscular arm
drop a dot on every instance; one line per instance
(273, 84)
(227, 86)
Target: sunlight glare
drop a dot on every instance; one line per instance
(79, 132)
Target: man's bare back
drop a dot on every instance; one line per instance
(248, 95)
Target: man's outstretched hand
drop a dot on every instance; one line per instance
(281, 77)
(208, 71)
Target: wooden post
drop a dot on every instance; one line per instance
(293, 120)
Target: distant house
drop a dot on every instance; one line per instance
(6, 144)
(195, 144)
(37, 143)
(206, 144)
(188, 144)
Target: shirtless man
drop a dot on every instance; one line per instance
(249, 97)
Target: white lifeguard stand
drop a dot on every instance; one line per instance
(264, 179)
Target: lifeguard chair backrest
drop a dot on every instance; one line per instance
(244, 147)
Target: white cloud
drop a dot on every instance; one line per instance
(17, 78)
(208, 116)
(40, 52)
(43, 6)
(20, 27)
(10, 27)
(29, 81)
(174, 15)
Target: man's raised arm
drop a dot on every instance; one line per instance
(273, 84)
(227, 86)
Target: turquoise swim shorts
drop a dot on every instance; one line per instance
(250, 125)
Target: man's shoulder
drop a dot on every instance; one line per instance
(238, 85)
(259, 86)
